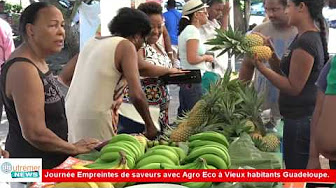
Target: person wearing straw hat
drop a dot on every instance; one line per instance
(192, 50)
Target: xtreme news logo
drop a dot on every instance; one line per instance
(20, 169)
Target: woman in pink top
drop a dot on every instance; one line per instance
(6, 41)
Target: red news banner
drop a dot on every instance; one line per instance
(57, 175)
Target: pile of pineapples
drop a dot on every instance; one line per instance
(236, 43)
(268, 143)
(230, 107)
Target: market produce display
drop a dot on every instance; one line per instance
(222, 131)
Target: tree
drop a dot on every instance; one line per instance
(241, 11)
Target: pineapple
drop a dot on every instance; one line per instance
(196, 116)
(181, 134)
(262, 52)
(271, 141)
(249, 125)
(254, 40)
(236, 43)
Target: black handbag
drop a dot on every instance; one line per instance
(192, 76)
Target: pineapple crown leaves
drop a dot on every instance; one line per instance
(229, 41)
(234, 128)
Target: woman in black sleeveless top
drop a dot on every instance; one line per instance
(34, 104)
(299, 69)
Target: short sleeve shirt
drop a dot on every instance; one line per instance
(321, 82)
(189, 33)
(303, 104)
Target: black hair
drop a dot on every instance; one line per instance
(184, 22)
(171, 4)
(212, 2)
(283, 2)
(150, 8)
(315, 10)
(129, 22)
(29, 16)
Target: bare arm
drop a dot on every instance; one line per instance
(314, 162)
(68, 71)
(25, 88)
(300, 68)
(150, 70)
(325, 134)
(127, 58)
(225, 17)
(192, 56)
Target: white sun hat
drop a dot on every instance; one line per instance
(193, 6)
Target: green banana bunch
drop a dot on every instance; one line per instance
(152, 143)
(199, 143)
(109, 156)
(131, 146)
(126, 137)
(122, 143)
(111, 148)
(155, 158)
(130, 162)
(210, 136)
(164, 152)
(215, 161)
(221, 152)
(181, 153)
(164, 147)
(178, 151)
